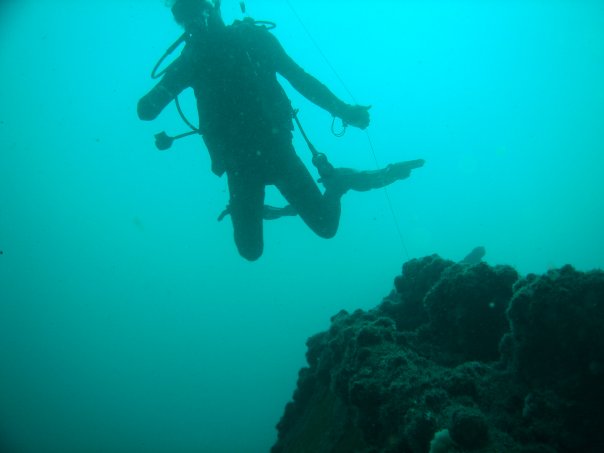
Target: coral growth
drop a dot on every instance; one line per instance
(459, 357)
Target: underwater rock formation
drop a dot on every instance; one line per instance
(459, 357)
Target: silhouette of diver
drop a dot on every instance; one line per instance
(246, 123)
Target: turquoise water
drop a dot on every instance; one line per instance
(129, 323)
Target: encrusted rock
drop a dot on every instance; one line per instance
(460, 357)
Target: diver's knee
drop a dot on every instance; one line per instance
(326, 232)
(250, 252)
(324, 226)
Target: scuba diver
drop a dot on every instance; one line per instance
(246, 122)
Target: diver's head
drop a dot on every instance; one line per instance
(196, 15)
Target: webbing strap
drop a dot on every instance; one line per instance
(319, 160)
(312, 148)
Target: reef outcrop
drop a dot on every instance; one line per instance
(459, 357)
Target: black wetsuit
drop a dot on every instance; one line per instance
(245, 118)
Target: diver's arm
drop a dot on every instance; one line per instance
(154, 102)
(315, 91)
(172, 83)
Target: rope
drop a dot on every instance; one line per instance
(320, 51)
(387, 195)
(389, 201)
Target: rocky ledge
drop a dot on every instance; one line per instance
(459, 357)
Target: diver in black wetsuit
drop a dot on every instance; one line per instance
(245, 119)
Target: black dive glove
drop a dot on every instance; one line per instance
(356, 115)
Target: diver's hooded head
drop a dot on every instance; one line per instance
(196, 15)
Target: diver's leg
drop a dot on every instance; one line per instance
(321, 212)
(246, 206)
(273, 213)
(344, 179)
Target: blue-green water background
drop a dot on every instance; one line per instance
(129, 323)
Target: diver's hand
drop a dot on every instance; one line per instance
(356, 115)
